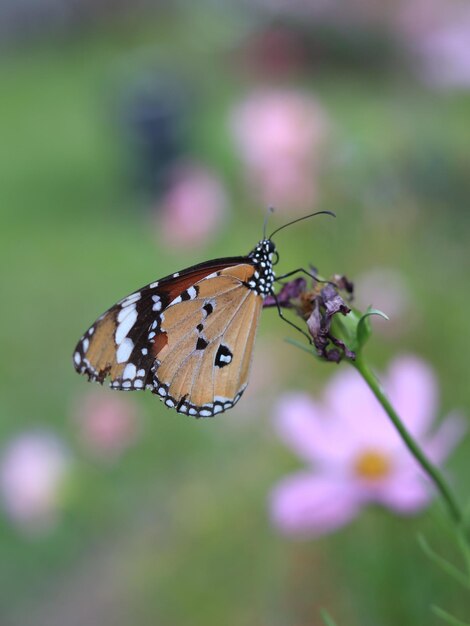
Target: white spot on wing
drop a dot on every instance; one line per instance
(124, 312)
(131, 299)
(221, 399)
(85, 344)
(77, 358)
(124, 351)
(129, 371)
(125, 325)
(176, 300)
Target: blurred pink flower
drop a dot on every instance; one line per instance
(279, 135)
(358, 456)
(446, 55)
(192, 209)
(437, 32)
(33, 469)
(107, 424)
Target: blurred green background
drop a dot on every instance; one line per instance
(175, 528)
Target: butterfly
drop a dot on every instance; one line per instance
(187, 337)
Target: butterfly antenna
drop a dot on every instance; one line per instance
(266, 217)
(305, 217)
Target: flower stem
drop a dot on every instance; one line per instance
(432, 471)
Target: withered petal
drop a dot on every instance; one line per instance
(288, 292)
(325, 306)
(318, 307)
(333, 302)
(344, 283)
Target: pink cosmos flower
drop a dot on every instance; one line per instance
(353, 452)
(107, 424)
(446, 55)
(33, 469)
(279, 135)
(437, 32)
(193, 208)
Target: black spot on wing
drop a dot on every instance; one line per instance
(190, 294)
(223, 357)
(201, 344)
(208, 308)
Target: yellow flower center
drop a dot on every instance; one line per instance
(372, 465)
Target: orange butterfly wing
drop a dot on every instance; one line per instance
(119, 338)
(203, 361)
(188, 337)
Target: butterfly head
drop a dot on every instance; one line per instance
(262, 258)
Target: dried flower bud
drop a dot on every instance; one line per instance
(326, 305)
(337, 331)
(290, 292)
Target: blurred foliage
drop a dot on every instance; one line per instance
(177, 531)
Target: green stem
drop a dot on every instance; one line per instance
(413, 447)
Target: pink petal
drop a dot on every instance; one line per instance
(358, 416)
(303, 425)
(406, 493)
(412, 389)
(311, 505)
(446, 437)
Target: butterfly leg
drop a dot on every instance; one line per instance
(281, 315)
(301, 270)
